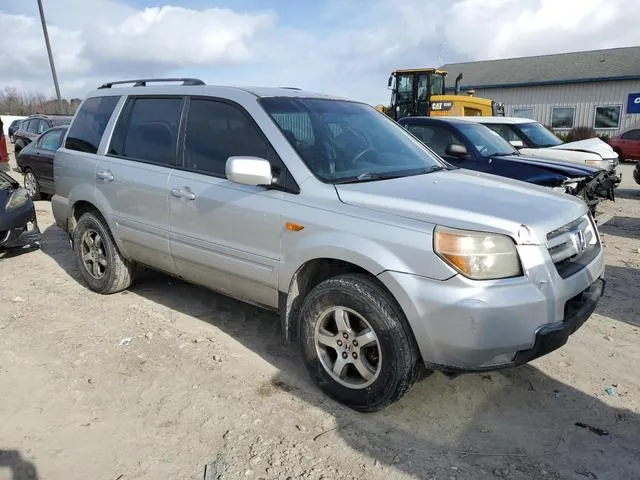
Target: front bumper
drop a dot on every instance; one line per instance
(465, 325)
(19, 227)
(553, 336)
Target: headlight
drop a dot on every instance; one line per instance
(597, 163)
(477, 255)
(17, 199)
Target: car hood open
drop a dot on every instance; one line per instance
(469, 200)
(590, 145)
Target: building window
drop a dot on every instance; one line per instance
(523, 113)
(562, 117)
(607, 116)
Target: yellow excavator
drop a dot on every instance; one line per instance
(421, 91)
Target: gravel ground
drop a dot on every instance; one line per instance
(167, 378)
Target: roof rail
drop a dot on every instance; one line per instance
(142, 82)
(291, 88)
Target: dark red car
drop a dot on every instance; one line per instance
(4, 155)
(627, 145)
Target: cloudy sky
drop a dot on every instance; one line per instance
(343, 47)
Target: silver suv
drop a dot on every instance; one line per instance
(382, 260)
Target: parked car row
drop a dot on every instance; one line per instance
(32, 127)
(465, 143)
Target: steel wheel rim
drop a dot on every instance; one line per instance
(30, 183)
(94, 258)
(348, 347)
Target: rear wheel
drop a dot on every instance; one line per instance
(31, 184)
(356, 343)
(103, 267)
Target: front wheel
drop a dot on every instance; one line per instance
(356, 343)
(31, 184)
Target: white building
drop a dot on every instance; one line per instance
(598, 89)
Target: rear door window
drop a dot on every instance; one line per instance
(33, 126)
(436, 138)
(90, 123)
(148, 130)
(42, 126)
(505, 131)
(50, 141)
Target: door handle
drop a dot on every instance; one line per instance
(188, 194)
(183, 193)
(105, 175)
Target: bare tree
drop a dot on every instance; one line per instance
(15, 102)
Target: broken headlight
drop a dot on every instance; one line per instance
(17, 199)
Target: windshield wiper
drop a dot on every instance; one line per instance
(371, 176)
(366, 177)
(504, 154)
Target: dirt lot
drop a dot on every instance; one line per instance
(205, 380)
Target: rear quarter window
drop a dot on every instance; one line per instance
(90, 122)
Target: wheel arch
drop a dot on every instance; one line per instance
(82, 206)
(310, 274)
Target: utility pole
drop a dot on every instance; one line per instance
(53, 67)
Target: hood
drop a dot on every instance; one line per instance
(468, 200)
(571, 156)
(562, 167)
(591, 145)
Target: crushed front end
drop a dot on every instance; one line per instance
(594, 188)
(18, 223)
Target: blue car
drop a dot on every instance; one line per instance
(473, 146)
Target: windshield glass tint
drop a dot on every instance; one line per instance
(339, 140)
(486, 141)
(539, 135)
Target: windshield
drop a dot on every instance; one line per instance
(538, 134)
(341, 140)
(486, 141)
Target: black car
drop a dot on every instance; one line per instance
(31, 128)
(35, 161)
(473, 146)
(13, 128)
(18, 224)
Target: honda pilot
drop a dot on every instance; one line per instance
(382, 260)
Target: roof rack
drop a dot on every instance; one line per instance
(142, 82)
(291, 88)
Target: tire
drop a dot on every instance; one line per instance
(620, 155)
(114, 273)
(393, 362)
(31, 184)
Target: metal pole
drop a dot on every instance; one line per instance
(53, 67)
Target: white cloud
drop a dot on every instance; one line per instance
(177, 36)
(351, 56)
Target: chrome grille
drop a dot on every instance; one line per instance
(573, 246)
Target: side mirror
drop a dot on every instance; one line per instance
(516, 143)
(390, 81)
(455, 150)
(249, 171)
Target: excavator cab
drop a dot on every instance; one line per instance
(412, 91)
(421, 92)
